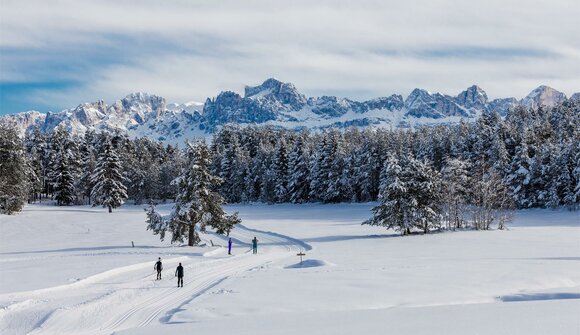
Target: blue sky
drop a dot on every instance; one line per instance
(55, 56)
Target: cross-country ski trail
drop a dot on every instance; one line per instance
(129, 296)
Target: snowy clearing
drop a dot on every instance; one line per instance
(73, 270)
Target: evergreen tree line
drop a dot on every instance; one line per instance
(97, 168)
(532, 155)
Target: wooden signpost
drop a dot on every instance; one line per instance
(300, 254)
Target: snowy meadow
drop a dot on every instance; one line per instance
(73, 270)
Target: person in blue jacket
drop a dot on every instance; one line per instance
(230, 246)
(255, 245)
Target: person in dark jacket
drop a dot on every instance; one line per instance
(255, 245)
(230, 246)
(159, 267)
(179, 275)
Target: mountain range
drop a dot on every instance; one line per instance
(279, 104)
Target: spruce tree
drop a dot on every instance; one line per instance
(519, 177)
(319, 170)
(395, 207)
(409, 197)
(64, 181)
(108, 190)
(279, 169)
(13, 170)
(298, 187)
(198, 205)
(425, 189)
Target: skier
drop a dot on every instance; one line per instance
(179, 275)
(159, 267)
(230, 246)
(255, 245)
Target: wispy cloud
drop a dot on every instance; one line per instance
(55, 55)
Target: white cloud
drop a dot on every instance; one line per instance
(188, 50)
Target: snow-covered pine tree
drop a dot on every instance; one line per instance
(268, 178)
(279, 170)
(63, 178)
(298, 186)
(338, 184)
(410, 196)
(13, 170)
(327, 182)
(318, 170)
(171, 165)
(88, 162)
(519, 175)
(253, 179)
(229, 164)
(367, 170)
(499, 155)
(35, 144)
(108, 190)
(197, 204)
(58, 141)
(424, 185)
(561, 188)
(156, 222)
(455, 191)
(576, 174)
(395, 208)
(542, 175)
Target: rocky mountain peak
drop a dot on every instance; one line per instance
(543, 96)
(275, 90)
(473, 97)
(142, 104)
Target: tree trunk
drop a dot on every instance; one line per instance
(191, 235)
(110, 209)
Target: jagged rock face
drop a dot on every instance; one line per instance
(575, 96)
(52, 120)
(27, 120)
(89, 114)
(142, 103)
(277, 91)
(230, 107)
(329, 107)
(502, 106)
(543, 96)
(474, 98)
(279, 104)
(394, 102)
(421, 103)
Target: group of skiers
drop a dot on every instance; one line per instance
(254, 245)
(179, 271)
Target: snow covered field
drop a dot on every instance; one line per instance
(72, 270)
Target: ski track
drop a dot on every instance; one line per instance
(131, 299)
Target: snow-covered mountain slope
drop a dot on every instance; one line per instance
(278, 104)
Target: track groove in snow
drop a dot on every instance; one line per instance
(130, 299)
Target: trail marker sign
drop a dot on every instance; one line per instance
(300, 254)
